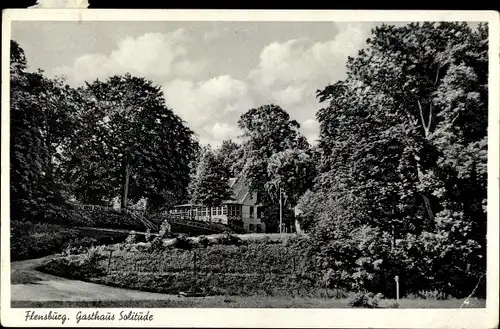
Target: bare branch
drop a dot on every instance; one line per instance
(437, 74)
(426, 131)
(430, 116)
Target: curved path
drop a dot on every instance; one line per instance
(28, 284)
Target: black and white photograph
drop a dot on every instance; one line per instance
(248, 164)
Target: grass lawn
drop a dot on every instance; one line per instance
(246, 302)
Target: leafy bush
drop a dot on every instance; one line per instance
(203, 241)
(251, 258)
(33, 240)
(181, 242)
(78, 267)
(29, 240)
(131, 238)
(148, 236)
(103, 218)
(228, 238)
(79, 246)
(365, 299)
(248, 269)
(434, 262)
(156, 245)
(210, 283)
(428, 294)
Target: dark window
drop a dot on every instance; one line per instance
(259, 228)
(251, 211)
(250, 227)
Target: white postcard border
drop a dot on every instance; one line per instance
(303, 318)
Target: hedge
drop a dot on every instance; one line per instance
(250, 258)
(33, 240)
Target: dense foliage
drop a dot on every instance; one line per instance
(28, 240)
(397, 185)
(258, 267)
(91, 144)
(402, 183)
(209, 186)
(267, 131)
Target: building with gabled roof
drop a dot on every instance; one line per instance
(240, 211)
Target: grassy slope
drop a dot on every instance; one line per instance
(258, 267)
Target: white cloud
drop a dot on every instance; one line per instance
(212, 107)
(150, 55)
(223, 131)
(310, 124)
(298, 61)
(289, 73)
(310, 129)
(289, 96)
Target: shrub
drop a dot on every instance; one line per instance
(241, 284)
(365, 299)
(227, 238)
(148, 237)
(79, 267)
(182, 242)
(428, 294)
(79, 246)
(131, 238)
(165, 230)
(32, 240)
(203, 241)
(104, 218)
(251, 269)
(156, 245)
(92, 255)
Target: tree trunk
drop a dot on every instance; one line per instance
(128, 170)
(393, 237)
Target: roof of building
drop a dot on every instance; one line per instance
(240, 189)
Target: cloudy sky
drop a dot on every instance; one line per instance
(210, 72)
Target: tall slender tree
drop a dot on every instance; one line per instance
(267, 130)
(210, 185)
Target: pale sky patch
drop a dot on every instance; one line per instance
(211, 72)
(211, 105)
(154, 55)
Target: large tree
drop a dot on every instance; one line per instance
(292, 171)
(210, 185)
(267, 130)
(42, 123)
(27, 148)
(130, 144)
(230, 153)
(405, 136)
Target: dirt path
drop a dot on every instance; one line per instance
(29, 284)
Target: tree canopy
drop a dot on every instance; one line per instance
(267, 131)
(210, 186)
(404, 137)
